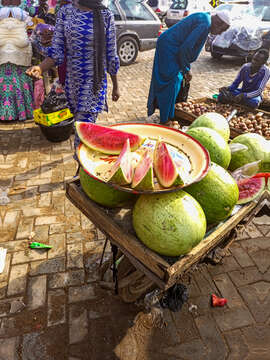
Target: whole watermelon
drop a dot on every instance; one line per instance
(170, 224)
(218, 148)
(213, 121)
(258, 149)
(103, 194)
(217, 194)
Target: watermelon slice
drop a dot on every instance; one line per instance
(164, 166)
(143, 178)
(122, 170)
(106, 139)
(250, 189)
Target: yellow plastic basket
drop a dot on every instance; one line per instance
(52, 118)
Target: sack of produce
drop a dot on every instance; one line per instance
(56, 99)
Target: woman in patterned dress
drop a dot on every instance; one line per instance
(16, 88)
(85, 32)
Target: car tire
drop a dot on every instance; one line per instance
(216, 55)
(127, 49)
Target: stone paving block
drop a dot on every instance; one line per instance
(191, 350)
(81, 293)
(42, 233)
(204, 281)
(45, 200)
(58, 243)
(47, 267)
(212, 338)
(75, 255)
(228, 290)
(48, 220)
(234, 318)
(244, 277)
(73, 224)
(56, 307)
(36, 293)
(75, 237)
(78, 324)
(57, 229)
(258, 340)
(228, 264)
(17, 280)
(240, 255)
(4, 274)
(9, 348)
(25, 228)
(257, 298)
(3, 289)
(11, 219)
(71, 278)
(29, 255)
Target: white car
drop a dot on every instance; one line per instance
(160, 6)
(182, 8)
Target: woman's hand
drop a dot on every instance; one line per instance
(115, 94)
(238, 98)
(35, 72)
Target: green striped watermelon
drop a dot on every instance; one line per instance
(217, 194)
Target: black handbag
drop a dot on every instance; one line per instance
(183, 93)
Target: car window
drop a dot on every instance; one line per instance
(135, 10)
(111, 5)
(179, 4)
(152, 3)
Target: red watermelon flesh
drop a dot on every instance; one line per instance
(122, 170)
(143, 178)
(106, 139)
(164, 166)
(250, 189)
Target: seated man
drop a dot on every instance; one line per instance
(254, 77)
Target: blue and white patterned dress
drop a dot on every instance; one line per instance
(74, 36)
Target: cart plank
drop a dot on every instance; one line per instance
(206, 245)
(128, 243)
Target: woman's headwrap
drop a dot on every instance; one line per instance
(99, 39)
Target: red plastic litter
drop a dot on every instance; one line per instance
(217, 301)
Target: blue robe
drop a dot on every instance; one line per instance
(176, 49)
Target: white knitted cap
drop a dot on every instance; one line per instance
(224, 16)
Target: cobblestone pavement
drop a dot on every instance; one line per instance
(51, 307)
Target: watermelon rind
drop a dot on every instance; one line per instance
(257, 149)
(215, 122)
(217, 147)
(102, 193)
(164, 166)
(217, 194)
(247, 190)
(122, 170)
(106, 139)
(143, 178)
(170, 224)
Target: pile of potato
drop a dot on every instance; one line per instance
(198, 109)
(244, 121)
(249, 122)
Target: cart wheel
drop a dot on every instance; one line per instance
(132, 283)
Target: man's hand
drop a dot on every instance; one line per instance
(223, 89)
(238, 98)
(35, 72)
(115, 94)
(188, 77)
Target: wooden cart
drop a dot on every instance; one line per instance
(142, 269)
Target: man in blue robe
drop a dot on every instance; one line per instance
(176, 49)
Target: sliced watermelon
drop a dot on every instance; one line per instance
(250, 189)
(106, 139)
(164, 166)
(122, 170)
(143, 178)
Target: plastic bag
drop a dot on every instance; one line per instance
(56, 99)
(247, 171)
